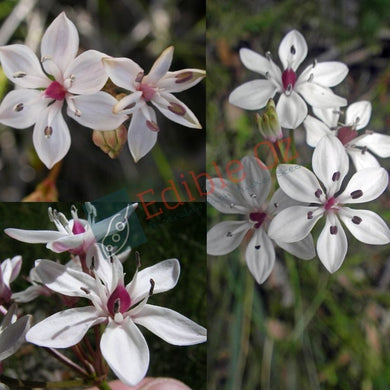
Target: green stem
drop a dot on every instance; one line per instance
(26, 384)
(104, 386)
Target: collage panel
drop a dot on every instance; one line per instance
(298, 197)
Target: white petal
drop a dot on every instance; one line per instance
(330, 163)
(375, 142)
(226, 236)
(21, 108)
(254, 61)
(165, 275)
(298, 182)
(160, 66)
(141, 138)
(280, 201)
(292, 224)
(303, 249)
(53, 148)
(176, 110)
(319, 96)
(292, 50)
(171, 326)
(64, 329)
(122, 71)
(87, 73)
(181, 80)
(22, 67)
(129, 104)
(327, 74)
(330, 116)
(291, 110)
(315, 130)
(29, 294)
(96, 111)
(16, 264)
(260, 255)
(60, 42)
(360, 113)
(332, 248)
(365, 185)
(362, 159)
(33, 236)
(253, 95)
(366, 226)
(13, 336)
(125, 350)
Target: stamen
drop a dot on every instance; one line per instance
(183, 77)
(117, 305)
(139, 77)
(318, 193)
(77, 112)
(18, 107)
(276, 205)
(253, 196)
(333, 230)
(356, 194)
(314, 63)
(48, 131)
(19, 75)
(152, 284)
(119, 300)
(336, 176)
(45, 58)
(267, 76)
(364, 149)
(177, 109)
(229, 234)
(311, 77)
(257, 247)
(92, 267)
(85, 290)
(138, 259)
(152, 126)
(310, 215)
(356, 219)
(130, 106)
(292, 50)
(268, 56)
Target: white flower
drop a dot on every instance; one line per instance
(12, 332)
(156, 88)
(9, 270)
(359, 147)
(248, 197)
(330, 165)
(313, 84)
(75, 236)
(121, 307)
(39, 102)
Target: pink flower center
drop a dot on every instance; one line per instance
(346, 134)
(289, 77)
(330, 203)
(147, 91)
(257, 217)
(55, 91)
(119, 301)
(78, 227)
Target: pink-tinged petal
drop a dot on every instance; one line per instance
(365, 185)
(30, 293)
(65, 328)
(294, 223)
(51, 136)
(165, 275)
(86, 74)
(362, 159)
(60, 42)
(129, 104)
(181, 80)
(298, 182)
(292, 50)
(95, 111)
(253, 95)
(327, 74)
(13, 336)
(330, 116)
(315, 130)
(65, 280)
(120, 342)
(378, 144)
(257, 63)
(332, 244)
(123, 72)
(172, 327)
(260, 256)
(366, 226)
(141, 137)
(175, 110)
(226, 236)
(225, 196)
(358, 114)
(291, 110)
(303, 249)
(33, 236)
(66, 243)
(22, 67)
(160, 66)
(16, 265)
(330, 163)
(319, 96)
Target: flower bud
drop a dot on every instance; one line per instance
(268, 123)
(110, 142)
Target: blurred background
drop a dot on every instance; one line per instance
(303, 328)
(172, 234)
(137, 29)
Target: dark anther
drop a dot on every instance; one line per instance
(292, 49)
(229, 234)
(336, 176)
(257, 246)
(276, 205)
(356, 219)
(92, 263)
(310, 215)
(318, 193)
(85, 290)
(356, 194)
(152, 284)
(333, 230)
(138, 259)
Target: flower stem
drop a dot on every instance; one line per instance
(26, 384)
(104, 386)
(62, 358)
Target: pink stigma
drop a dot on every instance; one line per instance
(55, 91)
(119, 301)
(289, 77)
(78, 227)
(257, 217)
(147, 91)
(346, 134)
(329, 203)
